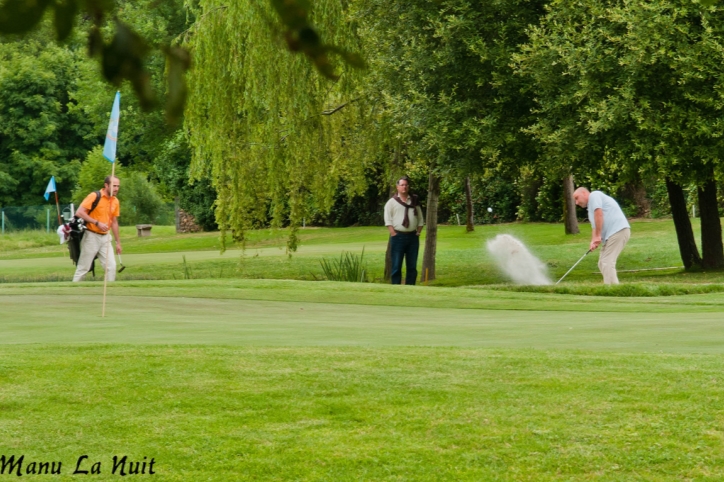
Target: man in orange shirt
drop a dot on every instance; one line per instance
(99, 221)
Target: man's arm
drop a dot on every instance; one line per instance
(116, 235)
(83, 214)
(596, 232)
(421, 224)
(388, 219)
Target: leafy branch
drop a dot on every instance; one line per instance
(123, 57)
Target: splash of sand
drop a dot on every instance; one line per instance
(516, 262)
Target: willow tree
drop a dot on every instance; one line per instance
(273, 131)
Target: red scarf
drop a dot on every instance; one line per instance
(412, 205)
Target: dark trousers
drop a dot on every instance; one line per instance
(404, 245)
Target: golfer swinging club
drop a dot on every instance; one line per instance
(608, 226)
(104, 217)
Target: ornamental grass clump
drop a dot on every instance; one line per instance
(349, 267)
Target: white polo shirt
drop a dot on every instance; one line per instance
(614, 220)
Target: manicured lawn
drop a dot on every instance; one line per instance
(219, 375)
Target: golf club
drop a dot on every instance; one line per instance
(574, 266)
(120, 261)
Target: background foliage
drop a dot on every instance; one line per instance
(513, 94)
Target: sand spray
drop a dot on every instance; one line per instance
(516, 262)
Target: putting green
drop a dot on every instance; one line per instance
(232, 314)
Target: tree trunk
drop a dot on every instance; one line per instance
(712, 252)
(570, 220)
(684, 234)
(428, 259)
(469, 202)
(636, 191)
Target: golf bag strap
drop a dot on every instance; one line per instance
(95, 203)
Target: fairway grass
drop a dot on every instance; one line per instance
(380, 414)
(652, 255)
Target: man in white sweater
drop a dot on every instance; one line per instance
(404, 221)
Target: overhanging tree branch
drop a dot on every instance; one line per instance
(339, 107)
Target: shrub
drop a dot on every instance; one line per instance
(140, 203)
(349, 267)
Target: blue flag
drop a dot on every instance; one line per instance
(50, 188)
(109, 148)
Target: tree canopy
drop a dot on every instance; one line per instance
(633, 88)
(443, 72)
(42, 131)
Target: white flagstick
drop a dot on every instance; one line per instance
(109, 152)
(108, 251)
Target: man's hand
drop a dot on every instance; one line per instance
(102, 226)
(392, 231)
(595, 242)
(118, 248)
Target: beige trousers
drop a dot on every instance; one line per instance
(609, 254)
(91, 245)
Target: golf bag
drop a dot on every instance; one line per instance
(76, 229)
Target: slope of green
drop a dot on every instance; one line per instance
(296, 313)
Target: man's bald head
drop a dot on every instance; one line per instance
(580, 196)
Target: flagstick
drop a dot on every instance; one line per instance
(108, 251)
(109, 152)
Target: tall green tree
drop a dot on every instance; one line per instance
(53, 93)
(628, 89)
(441, 73)
(143, 132)
(42, 132)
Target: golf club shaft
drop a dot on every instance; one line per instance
(573, 266)
(120, 261)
